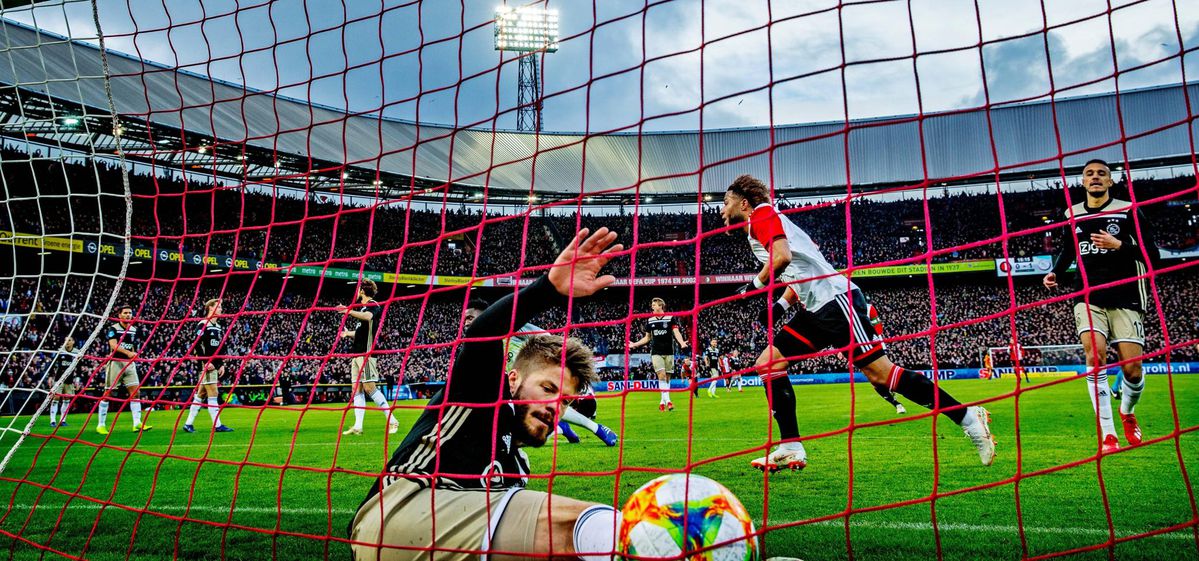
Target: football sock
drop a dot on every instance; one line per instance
(66, 408)
(712, 388)
(665, 397)
(1132, 394)
(793, 446)
(53, 413)
(194, 410)
(102, 414)
(1101, 400)
(377, 397)
(214, 410)
(359, 409)
(884, 393)
(575, 418)
(922, 391)
(135, 407)
(595, 533)
(781, 398)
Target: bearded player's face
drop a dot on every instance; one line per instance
(539, 391)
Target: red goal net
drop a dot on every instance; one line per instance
(246, 242)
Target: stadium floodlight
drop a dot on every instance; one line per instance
(70, 121)
(527, 30)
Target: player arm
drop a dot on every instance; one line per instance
(1149, 241)
(678, 336)
(115, 346)
(780, 259)
(640, 342)
(1061, 262)
(768, 231)
(360, 315)
(479, 365)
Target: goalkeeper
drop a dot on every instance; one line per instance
(579, 412)
(456, 482)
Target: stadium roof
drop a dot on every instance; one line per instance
(247, 135)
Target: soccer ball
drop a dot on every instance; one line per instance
(676, 515)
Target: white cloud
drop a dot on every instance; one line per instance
(803, 50)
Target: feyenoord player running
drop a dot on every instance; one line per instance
(834, 314)
(60, 396)
(457, 481)
(661, 332)
(364, 368)
(580, 412)
(208, 347)
(1109, 250)
(727, 367)
(124, 338)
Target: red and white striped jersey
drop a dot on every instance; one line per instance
(818, 282)
(1016, 351)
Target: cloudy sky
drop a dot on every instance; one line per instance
(676, 65)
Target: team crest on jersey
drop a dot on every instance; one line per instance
(1113, 228)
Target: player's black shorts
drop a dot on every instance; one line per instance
(586, 406)
(830, 326)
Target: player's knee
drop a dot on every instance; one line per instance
(878, 371)
(1096, 354)
(1132, 370)
(771, 360)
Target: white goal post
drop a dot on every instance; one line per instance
(1033, 355)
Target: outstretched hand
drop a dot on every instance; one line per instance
(576, 270)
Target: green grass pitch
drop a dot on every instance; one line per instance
(267, 491)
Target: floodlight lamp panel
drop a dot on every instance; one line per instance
(526, 29)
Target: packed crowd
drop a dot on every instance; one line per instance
(171, 214)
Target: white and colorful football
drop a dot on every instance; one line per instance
(680, 516)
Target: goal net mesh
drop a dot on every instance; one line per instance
(278, 155)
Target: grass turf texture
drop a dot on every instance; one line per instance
(275, 512)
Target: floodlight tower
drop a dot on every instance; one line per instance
(530, 31)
